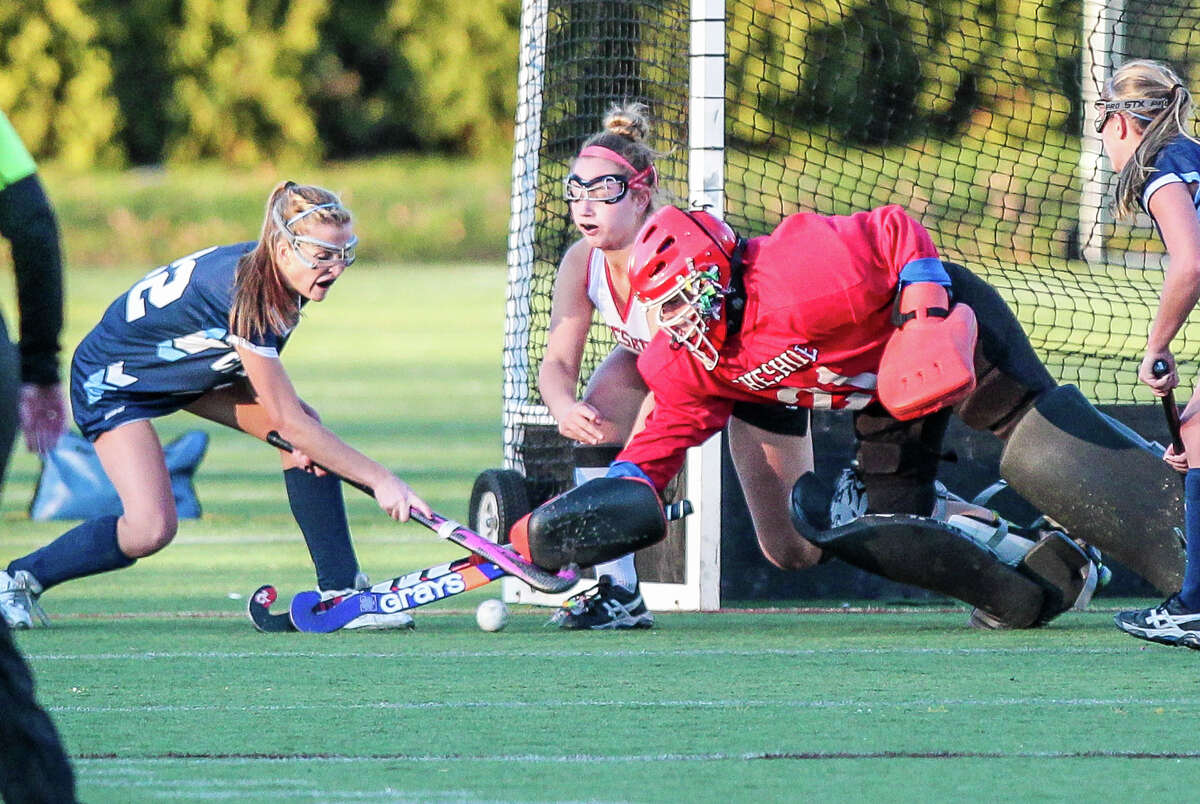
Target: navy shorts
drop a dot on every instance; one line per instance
(117, 407)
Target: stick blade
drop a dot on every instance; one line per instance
(308, 616)
(258, 608)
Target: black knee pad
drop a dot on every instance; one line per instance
(898, 461)
(1009, 374)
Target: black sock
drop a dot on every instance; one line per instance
(86, 549)
(320, 512)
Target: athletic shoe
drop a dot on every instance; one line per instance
(849, 500)
(376, 620)
(18, 600)
(981, 619)
(605, 606)
(1168, 623)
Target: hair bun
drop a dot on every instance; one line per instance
(629, 120)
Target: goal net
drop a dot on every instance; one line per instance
(976, 116)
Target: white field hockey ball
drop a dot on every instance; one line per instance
(492, 615)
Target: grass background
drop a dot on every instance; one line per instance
(163, 691)
(420, 209)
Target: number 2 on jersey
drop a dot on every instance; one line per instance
(161, 286)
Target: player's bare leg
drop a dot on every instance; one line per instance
(768, 465)
(617, 392)
(132, 457)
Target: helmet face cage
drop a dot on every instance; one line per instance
(688, 311)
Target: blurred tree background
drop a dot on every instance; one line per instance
(397, 102)
(110, 83)
(146, 82)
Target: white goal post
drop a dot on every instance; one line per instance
(699, 589)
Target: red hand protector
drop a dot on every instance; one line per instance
(518, 537)
(929, 361)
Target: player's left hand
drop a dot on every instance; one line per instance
(43, 413)
(306, 463)
(1178, 461)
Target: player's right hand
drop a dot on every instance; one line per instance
(1178, 461)
(1159, 385)
(396, 498)
(582, 423)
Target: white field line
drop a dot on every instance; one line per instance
(84, 759)
(268, 790)
(734, 703)
(442, 611)
(576, 654)
(143, 777)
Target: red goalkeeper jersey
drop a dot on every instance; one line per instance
(819, 296)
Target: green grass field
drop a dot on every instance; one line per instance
(164, 692)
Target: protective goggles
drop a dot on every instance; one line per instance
(317, 254)
(607, 189)
(1107, 108)
(313, 253)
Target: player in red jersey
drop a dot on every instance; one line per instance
(815, 305)
(859, 312)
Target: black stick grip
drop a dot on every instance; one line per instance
(1170, 409)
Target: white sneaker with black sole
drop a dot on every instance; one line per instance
(604, 607)
(375, 620)
(1168, 623)
(18, 600)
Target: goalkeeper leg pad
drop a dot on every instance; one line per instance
(1066, 573)
(597, 521)
(938, 557)
(1068, 461)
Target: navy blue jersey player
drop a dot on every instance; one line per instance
(1143, 118)
(204, 334)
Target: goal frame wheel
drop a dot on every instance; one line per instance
(499, 499)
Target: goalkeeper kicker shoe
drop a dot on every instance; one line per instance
(1168, 623)
(18, 600)
(606, 606)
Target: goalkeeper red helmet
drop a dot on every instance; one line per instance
(680, 266)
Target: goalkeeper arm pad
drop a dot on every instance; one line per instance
(929, 361)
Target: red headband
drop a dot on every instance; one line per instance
(642, 178)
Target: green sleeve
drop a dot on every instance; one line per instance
(15, 161)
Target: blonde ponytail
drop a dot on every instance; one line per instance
(1148, 80)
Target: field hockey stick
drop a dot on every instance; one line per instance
(308, 613)
(1170, 409)
(512, 563)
